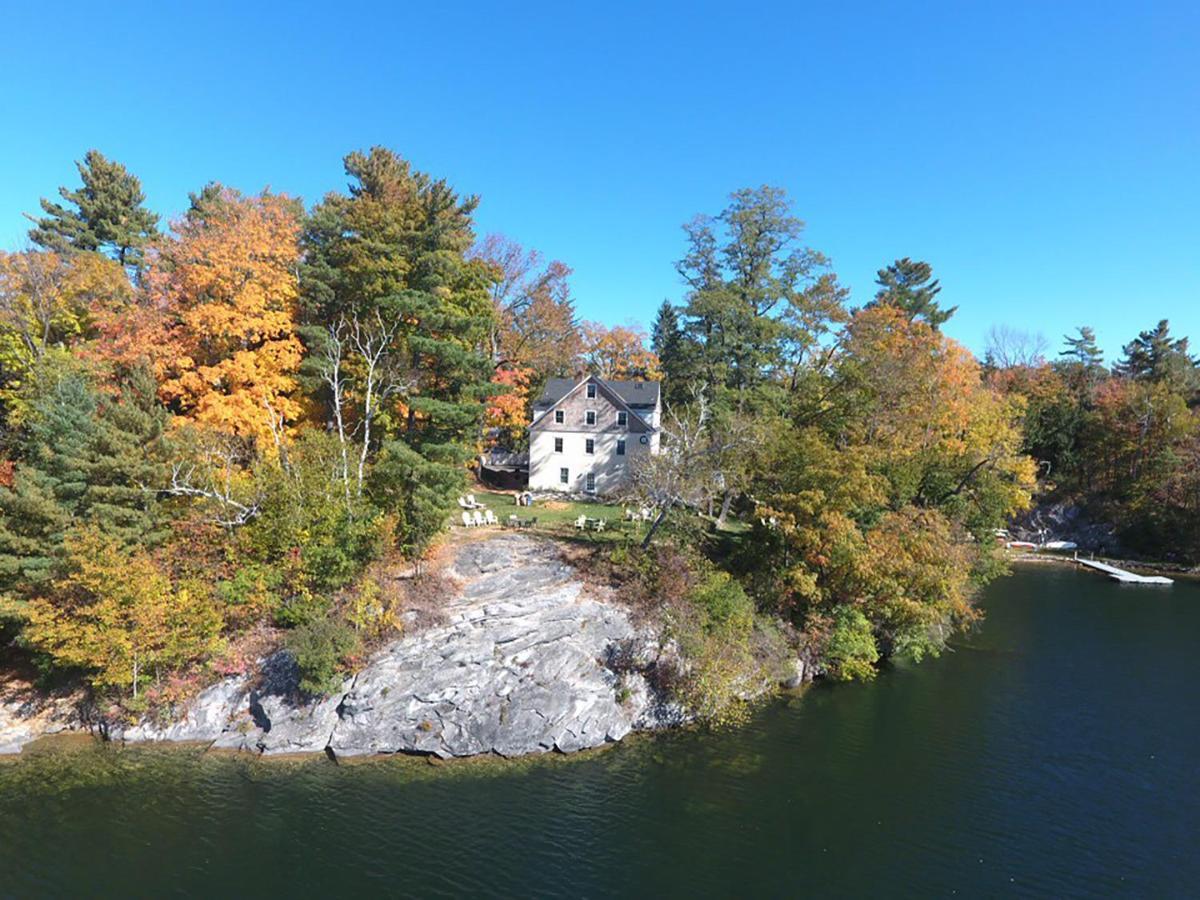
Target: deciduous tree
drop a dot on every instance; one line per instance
(115, 615)
(217, 322)
(618, 353)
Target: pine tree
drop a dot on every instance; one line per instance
(1083, 348)
(105, 215)
(89, 458)
(1081, 363)
(909, 285)
(1156, 356)
(389, 260)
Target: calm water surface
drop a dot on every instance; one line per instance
(1054, 753)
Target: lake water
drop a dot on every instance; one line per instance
(1055, 752)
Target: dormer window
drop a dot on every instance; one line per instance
(591, 391)
(559, 417)
(590, 417)
(622, 418)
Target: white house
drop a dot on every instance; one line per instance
(585, 433)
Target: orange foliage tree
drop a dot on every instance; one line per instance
(618, 352)
(217, 320)
(506, 411)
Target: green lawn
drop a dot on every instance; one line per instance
(557, 517)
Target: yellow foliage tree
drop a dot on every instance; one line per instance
(116, 615)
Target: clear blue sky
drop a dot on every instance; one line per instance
(1044, 157)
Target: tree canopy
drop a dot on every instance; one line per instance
(105, 214)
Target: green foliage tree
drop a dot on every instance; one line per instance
(310, 537)
(1155, 355)
(850, 649)
(909, 285)
(744, 270)
(105, 214)
(388, 277)
(89, 458)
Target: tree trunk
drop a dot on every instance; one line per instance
(725, 504)
(662, 514)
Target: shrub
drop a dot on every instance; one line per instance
(373, 607)
(320, 648)
(724, 658)
(850, 648)
(723, 602)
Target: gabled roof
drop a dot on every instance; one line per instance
(631, 393)
(549, 401)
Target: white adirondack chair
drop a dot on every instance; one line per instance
(466, 517)
(490, 517)
(471, 501)
(477, 517)
(581, 523)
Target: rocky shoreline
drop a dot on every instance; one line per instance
(523, 663)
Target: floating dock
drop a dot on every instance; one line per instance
(1121, 575)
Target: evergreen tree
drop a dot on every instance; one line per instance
(391, 256)
(1081, 364)
(1083, 348)
(745, 269)
(910, 286)
(89, 458)
(1155, 355)
(665, 334)
(674, 351)
(105, 215)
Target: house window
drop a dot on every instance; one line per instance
(622, 418)
(620, 446)
(558, 416)
(589, 446)
(589, 483)
(591, 392)
(558, 445)
(591, 416)
(564, 476)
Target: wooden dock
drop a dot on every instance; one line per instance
(1121, 575)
